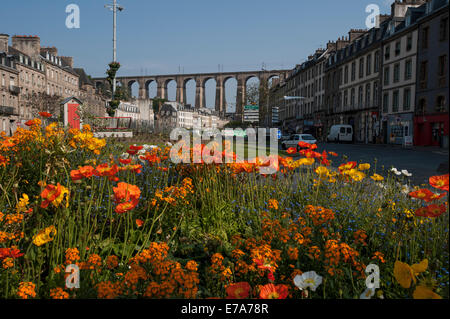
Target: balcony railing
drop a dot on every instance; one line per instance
(14, 89)
(7, 110)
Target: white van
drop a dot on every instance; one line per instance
(340, 133)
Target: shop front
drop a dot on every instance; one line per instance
(431, 130)
(399, 126)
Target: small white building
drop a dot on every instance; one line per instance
(127, 109)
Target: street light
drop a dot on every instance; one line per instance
(114, 7)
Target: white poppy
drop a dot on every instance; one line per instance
(395, 171)
(368, 293)
(124, 155)
(406, 189)
(141, 152)
(308, 280)
(406, 173)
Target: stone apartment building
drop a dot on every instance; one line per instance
(9, 89)
(399, 76)
(36, 70)
(431, 120)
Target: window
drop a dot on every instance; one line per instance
(395, 102)
(406, 99)
(443, 29)
(352, 97)
(346, 74)
(361, 67)
(409, 43)
(377, 61)
(423, 74)
(375, 93)
(360, 96)
(385, 102)
(425, 37)
(387, 52)
(369, 64)
(408, 69)
(353, 71)
(422, 106)
(345, 98)
(442, 63)
(368, 95)
(440, 104)
(396, 73)
(397, 48)
(386, 75)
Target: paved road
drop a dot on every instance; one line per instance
(422, 162)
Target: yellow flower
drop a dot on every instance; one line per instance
(357, 176)
(423, 292)
(44, 236)
(322, 171)
(364, 167)
(404, 273)
(377, 177)
(22, 204)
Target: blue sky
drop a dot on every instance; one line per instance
(160, 37)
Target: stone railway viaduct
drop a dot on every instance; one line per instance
(200, 79)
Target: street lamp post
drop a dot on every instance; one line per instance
(114, 7)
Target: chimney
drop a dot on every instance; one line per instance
(4, 40)
(353, 34)
(50, 50)
(68, 60)
(381, 18)
(341, 43)
(399, 7)
(28, 44)
(331, 46)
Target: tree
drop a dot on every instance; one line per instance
(43, 102)
(252, 94)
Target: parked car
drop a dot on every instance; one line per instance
(340, 133)
(296, 138)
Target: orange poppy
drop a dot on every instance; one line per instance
(45, 114)
(139, 222)
(270, 291)
(240, 290)
(291, 150)
(304, 144)
(49, 194)
(10, 253)
(333, 154)
(347, 166)
(439, 182)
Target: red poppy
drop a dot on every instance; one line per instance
(240, 290)
(424, 194)
(45, 114)
(291, 150)
(31, 122)
(106, 170)
(135, 147)
(132, 152)
(432, 210)
(49, 194)
(313, 146)
(304, 144)
(10, 253)
(270, 291)
(439, 182)
(125, 161)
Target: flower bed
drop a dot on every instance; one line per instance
(134, 224)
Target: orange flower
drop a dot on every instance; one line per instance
(304, 144)
(333, 154)
(240, 290)
(347, 166)
(45, 114)
(126, 196)
(273, 203)
(139, 222)
(439, 182)
(270, 291)
(53, 194)
(291, 150)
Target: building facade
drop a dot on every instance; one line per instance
(9, 93)
(431, 120)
